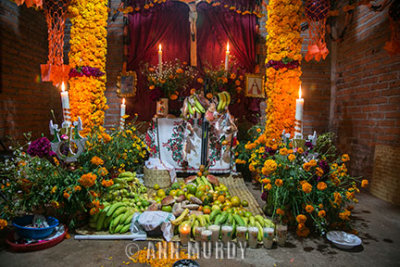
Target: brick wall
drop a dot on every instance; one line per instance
(367, 104)
(25, 102)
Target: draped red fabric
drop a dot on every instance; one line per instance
(166, 24)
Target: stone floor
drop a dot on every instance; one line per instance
(378, 224)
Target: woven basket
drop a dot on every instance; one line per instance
(160, 177)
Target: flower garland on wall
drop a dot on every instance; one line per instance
(87, 59)
(283, 65)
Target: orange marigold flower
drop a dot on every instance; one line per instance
(280, 211)
(283, 151)
(3, 224)
(345, 157)
(93, 194)
(306, 187)
(309, 208)
(107, 138)
(269, 166)
(151, 87)
(319, 172)
(291, 157)
(268, 187)
(278, 182)
(300, 150)
(93, 211)
(266, 181)
(77, 188)
(350, 195)
(53, 190)
(66, 195)
(102, 171)
(88, 180)
(337, 198)
(237, 83)
(321, 213)
(301, 218)
(173, 97)
(364, 183)
(302, 231)
(321, 206)
(313, 163)
(107, 183)
(321, 186)
(307, 166)
(200, 80)
(233, 76)
(345, 215)
(97, 161)
(179, 70)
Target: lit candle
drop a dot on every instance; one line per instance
(123, 108)
(227, 57)
(159, 59)
(65, 103)
(298, 128)
(184, 232)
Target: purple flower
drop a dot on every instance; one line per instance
(40, 147)
(264, 196)
(270, 151)
(309, 145)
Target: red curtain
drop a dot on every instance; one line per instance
(166, 24)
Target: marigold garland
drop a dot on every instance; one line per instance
(283, 45)
(88, 48)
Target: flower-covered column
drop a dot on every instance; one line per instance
(88, 57)
(283, 65)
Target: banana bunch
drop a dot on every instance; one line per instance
(115, 217)
(202, 180)
(260, 222)
(224, 99)
(194, 107)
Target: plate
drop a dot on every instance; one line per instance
(343, 240)
(186, 263)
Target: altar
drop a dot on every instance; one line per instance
(178, 143)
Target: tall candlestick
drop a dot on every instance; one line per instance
(123, 108)
(298, 126)
(159, 59)
(65, 103)
(227, 57)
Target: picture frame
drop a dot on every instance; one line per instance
(126, 84)
(254, 85)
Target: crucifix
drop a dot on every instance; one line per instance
(193, 29)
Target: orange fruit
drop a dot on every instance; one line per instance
(200, 173)
(200, 208)
(207, 210)
(221, 199)
(209, 95)
(235, 201)
(202, 168)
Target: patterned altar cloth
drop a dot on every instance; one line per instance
(178, 142)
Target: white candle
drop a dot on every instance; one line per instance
(159, 59)
(299, 116)
(227, 57)
(123, 108)
(65, 102)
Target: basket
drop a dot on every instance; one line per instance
(33, 233)
(160, 177)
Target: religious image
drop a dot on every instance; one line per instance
(255, 85)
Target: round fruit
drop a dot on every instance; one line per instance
(166, 208)
(245, 203)
(199, 193)
(161, 193)
(217, 202)
(156, 187)
(179, 192)
(202, 168)
(235, 201)
(188, 196)
(247, 214)
(240, 212)
(221, 199)
(199, 174)
(191, 188)
(215, 207)
(207, 210)
(203, 188)
(175, 185)
(173, 193)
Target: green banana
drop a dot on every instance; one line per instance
(120, 210)
(227, 98)
(221, 220)
(195, 224)
(207, 217)
(128, 220)
(126, 174)
(116, 186)
(178, 220)
(202, 220)
(198, 105)
(213, 214)
(252, 221)
(260, 219)
(239, 220)
(116, 221)
(127, 214)
(221, 100)
(260, 231)
(107, 222)
(100, 222)
(124, 179)
(246, 220)
(125, 229)
(189, 106)
(114, 207)
(118, 228)
(229, 220)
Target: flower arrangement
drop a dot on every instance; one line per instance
(283, 65)
(88, 48)
(38, 182)
(85, 71)
(218, 80)
(307, 186)
(174, 78)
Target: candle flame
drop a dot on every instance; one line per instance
(300, 92)
(62, 87)
(227, 47)
(159, 48)
(123, 101)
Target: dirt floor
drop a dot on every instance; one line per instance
(378, 224)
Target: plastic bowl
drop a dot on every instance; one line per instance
(34, 233)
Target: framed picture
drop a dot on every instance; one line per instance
(127, 84)
(255, 85)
